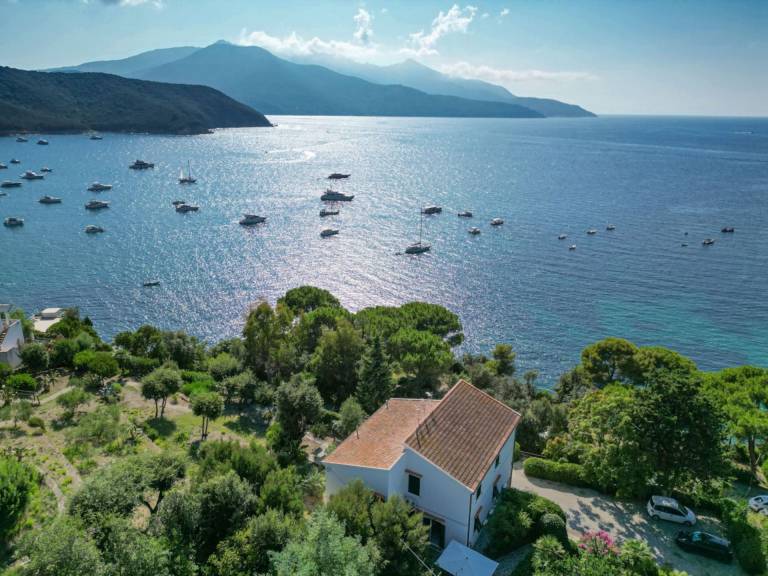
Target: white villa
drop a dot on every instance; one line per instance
(449, 458)
(11, 337)
(47, 318)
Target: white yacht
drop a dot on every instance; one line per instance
(497, 222)
(15, 161)
(562, 237)
(91, 229)
(141, 165)
(96, 137)
(50, 200)
(610, 227)
(3, 166)
(10, 184)
(184, 208)
(591, 231)
(42, 142)
(708, 242)
(21, 139)
(251, 219)
(431, 210)
(99, 187)
(186, 178)
(12, 222)
(178, 202)
(329, 232)
(45, 169)
(419, 247)
(325, 212)
(335, 196)
(572, 247)
(29, 175)
(474, 231)
(96, 205)
(465, 214)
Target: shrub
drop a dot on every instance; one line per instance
(136, 366)
(17, 480)
(552, 525)
(36, 422)
(564, 472)
(196, 382)
(745, 538)
(22, 383)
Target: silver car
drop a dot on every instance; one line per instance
(759, 504)
(666, 508)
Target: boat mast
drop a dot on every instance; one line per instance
(421, 223)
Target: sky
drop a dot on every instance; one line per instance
(691, 57)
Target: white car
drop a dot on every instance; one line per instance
(759, 504)
(669, 509)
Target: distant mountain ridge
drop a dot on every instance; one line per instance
(329, 86)
(74, 102)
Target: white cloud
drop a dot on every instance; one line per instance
(504, 12)
(485, 15)
(455, 20)
(384, 10)
(507, 77)
(364, 31)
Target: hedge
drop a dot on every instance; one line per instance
(565, 472)
(745, 538)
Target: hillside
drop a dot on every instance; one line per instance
(276, 86)
(71, 102)
(133, 66)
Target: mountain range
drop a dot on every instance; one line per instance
(320, 85)
(76, 102)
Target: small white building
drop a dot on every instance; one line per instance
(11, 337)
(449, 458)
(47, 318)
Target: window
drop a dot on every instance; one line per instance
(496, 463)
(479, 491)
(495, 491)
(414, 484)
(436, 531)
(478, 523)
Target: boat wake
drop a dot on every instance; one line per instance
(289, 156)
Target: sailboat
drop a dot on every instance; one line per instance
(186, 179)
(419, 247)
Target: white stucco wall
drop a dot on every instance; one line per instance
(339, 475)
(11, 344)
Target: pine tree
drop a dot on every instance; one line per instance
(375, 384)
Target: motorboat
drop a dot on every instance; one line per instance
(21, 139)
(431, 210)
(45, 170)
(29, 175)
(251, 219)
(151, 283)
(186, 178)
(325, 212)
(338, 176)
(497, 222)
(591, 231)
(184, 208)
(91, 229)
(335, 196)
(474, 231)
(3, 194)
(610, 227)
(10, 184)
(12, 222)
(329, 232)
(572, 247)
(95, 137)
(708, 242)
(96, 205)
(42, 142)
(50, 200)
(465, 214)
(99, 187)
(419, 247)
(684, 244)
(178, 202)
(728, 230)
(562, 237)
(15, 161)
(3, 166)
(141, 165)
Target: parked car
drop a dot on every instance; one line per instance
(759, 504)
(666, 508)
(705, 544)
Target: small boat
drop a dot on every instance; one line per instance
(3, 194)
(184, 208)
(325, 212)
(251, 219)
(465, 214)
(186, 178)
(178, 202)
(95, 137)
(91, 229)
(338, 176)
(12, 222)
(572, 247)
(15, 161)
(591, 231)
(10, 184)
(728, 230)
(141, 165)
(684, 244)
(419, 247)
(45, 169)
(21, 139)
(610, 227)
(497, 222)
(708, 242)
(99, 187)
(42, 142)
(96, 205)
(431, 210)
(29, 175)
(3, 166)
(562, 237)
(49, 200)
(334, 196)
(151, 283)
(328, 232)
(474, 231)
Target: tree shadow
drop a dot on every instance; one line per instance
(161, 426)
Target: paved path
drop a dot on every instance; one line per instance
(589, 510)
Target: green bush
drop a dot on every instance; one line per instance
(564, 472)
(196, 382)
(745, 538)
(17, 480)
(552, 525)
(36, 422)
(21, 382)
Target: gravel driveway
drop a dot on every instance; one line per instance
(589, 510)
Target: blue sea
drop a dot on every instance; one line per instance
(661, 181)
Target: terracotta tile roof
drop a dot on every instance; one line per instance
(464, 433)
(380, 440)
